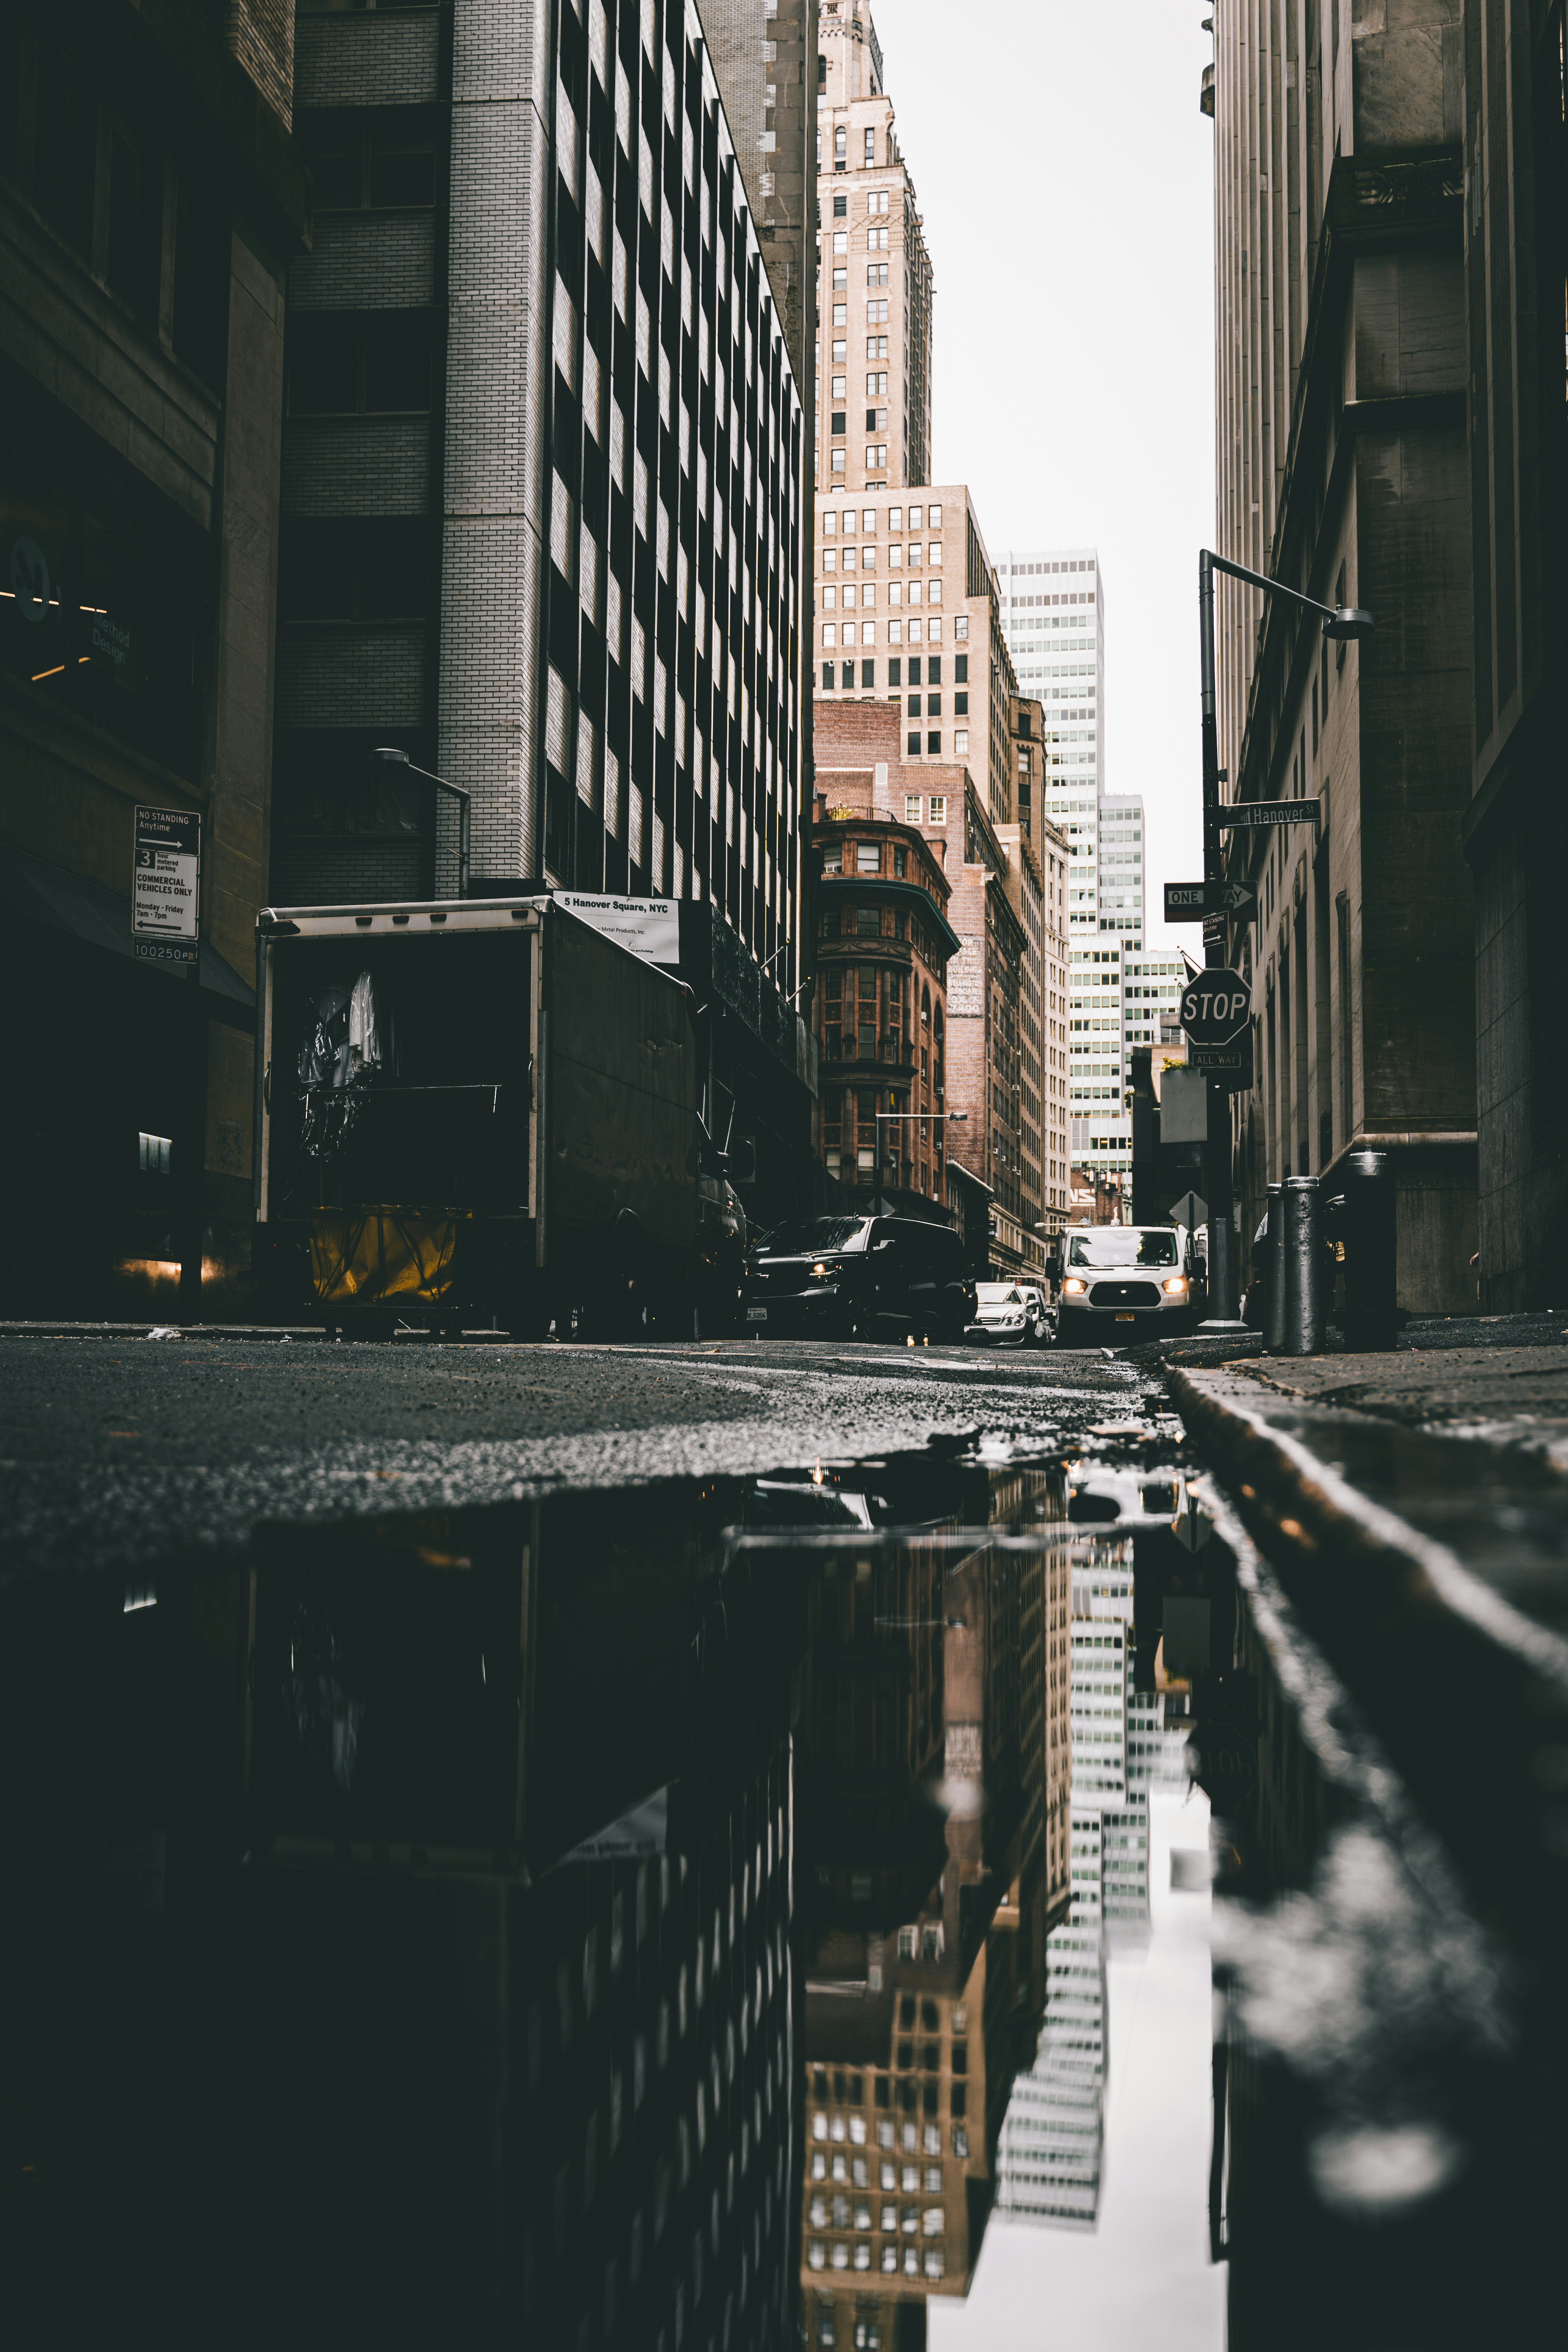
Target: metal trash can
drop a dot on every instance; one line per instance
(1363, 1217)
(1300, 1266)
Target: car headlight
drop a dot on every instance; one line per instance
(820, 1271)
(1174, 1285)
(1074, 1288)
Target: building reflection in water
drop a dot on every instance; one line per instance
(932, 1861)
(616, 1919)
(1049, 2160)
(404, 1947)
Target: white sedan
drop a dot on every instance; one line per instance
(1010, 1314)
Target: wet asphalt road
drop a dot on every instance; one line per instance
(117, 1449)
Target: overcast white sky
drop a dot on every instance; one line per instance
(1065, 176)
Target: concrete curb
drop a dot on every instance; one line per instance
(1469, 1693)
(1310, 1510)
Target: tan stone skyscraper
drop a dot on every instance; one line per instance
(874, 277)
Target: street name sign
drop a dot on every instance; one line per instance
(1217, 1006)
(1188, 902)
(165, 884)
(1242, 813)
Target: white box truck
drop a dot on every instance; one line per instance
(481, 1112)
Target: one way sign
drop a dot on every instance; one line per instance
(1189, 902)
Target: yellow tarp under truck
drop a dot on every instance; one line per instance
(483, 1113)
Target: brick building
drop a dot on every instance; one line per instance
(151, 196)
(1044, 849)
(546, 523)
(874, 287)
(988, 977)
(880, 1005)
(927, 628)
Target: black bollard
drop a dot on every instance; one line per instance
(1300, 1266)
(1366, 1225)
(1273, 1283)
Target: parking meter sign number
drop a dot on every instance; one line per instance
(1215, 1008)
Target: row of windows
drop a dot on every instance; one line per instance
(816, 2256)
(919, 518)
(908, 2222)
(867, 560)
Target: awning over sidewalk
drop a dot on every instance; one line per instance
(38, 892)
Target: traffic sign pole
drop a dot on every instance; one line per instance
(1217, 1183)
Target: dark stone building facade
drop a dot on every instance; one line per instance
(150, 198)
(1515, 828)
(1342, 470)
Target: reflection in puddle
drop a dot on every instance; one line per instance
(691, 1915)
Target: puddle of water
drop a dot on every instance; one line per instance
(743, 1913)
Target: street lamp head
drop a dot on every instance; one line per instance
(1348, 621)
(958, 1114)
(390, 751)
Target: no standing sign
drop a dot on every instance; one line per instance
(165, 885)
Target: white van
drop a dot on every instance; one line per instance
(1119, 1282)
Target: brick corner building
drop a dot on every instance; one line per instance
(883, 945)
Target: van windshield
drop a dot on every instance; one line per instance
(1123, 1246)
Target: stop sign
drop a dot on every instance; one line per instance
(1215, 1008)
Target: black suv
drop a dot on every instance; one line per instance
(851, 1277)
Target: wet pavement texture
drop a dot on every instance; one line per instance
(115, 1449)
(867, 1852)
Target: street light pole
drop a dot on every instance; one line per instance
(459, 792)
(1222, 1267)
(1343, 621)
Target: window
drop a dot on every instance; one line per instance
(153, 1154)
(933, 706)
(135, 224)
(933, 742)
(868, 672)
(912, 808)
(867, 857)
(913, 744)
(838, 392)
(961, 675)
(355, 572)
(827, 678)
(838, 466)
(841, 349)
(376, 365)
(960, 740)
(900, 862)
(847, 674)
(840, 240)
(896, 671)
(840, 207)
(840, 145)
(837, 417)
(961, 710)
(359, 159)
(937, 806)
(870, 148)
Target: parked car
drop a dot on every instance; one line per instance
(1121, 1279)
(860, 1278)
(1010, 1314)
